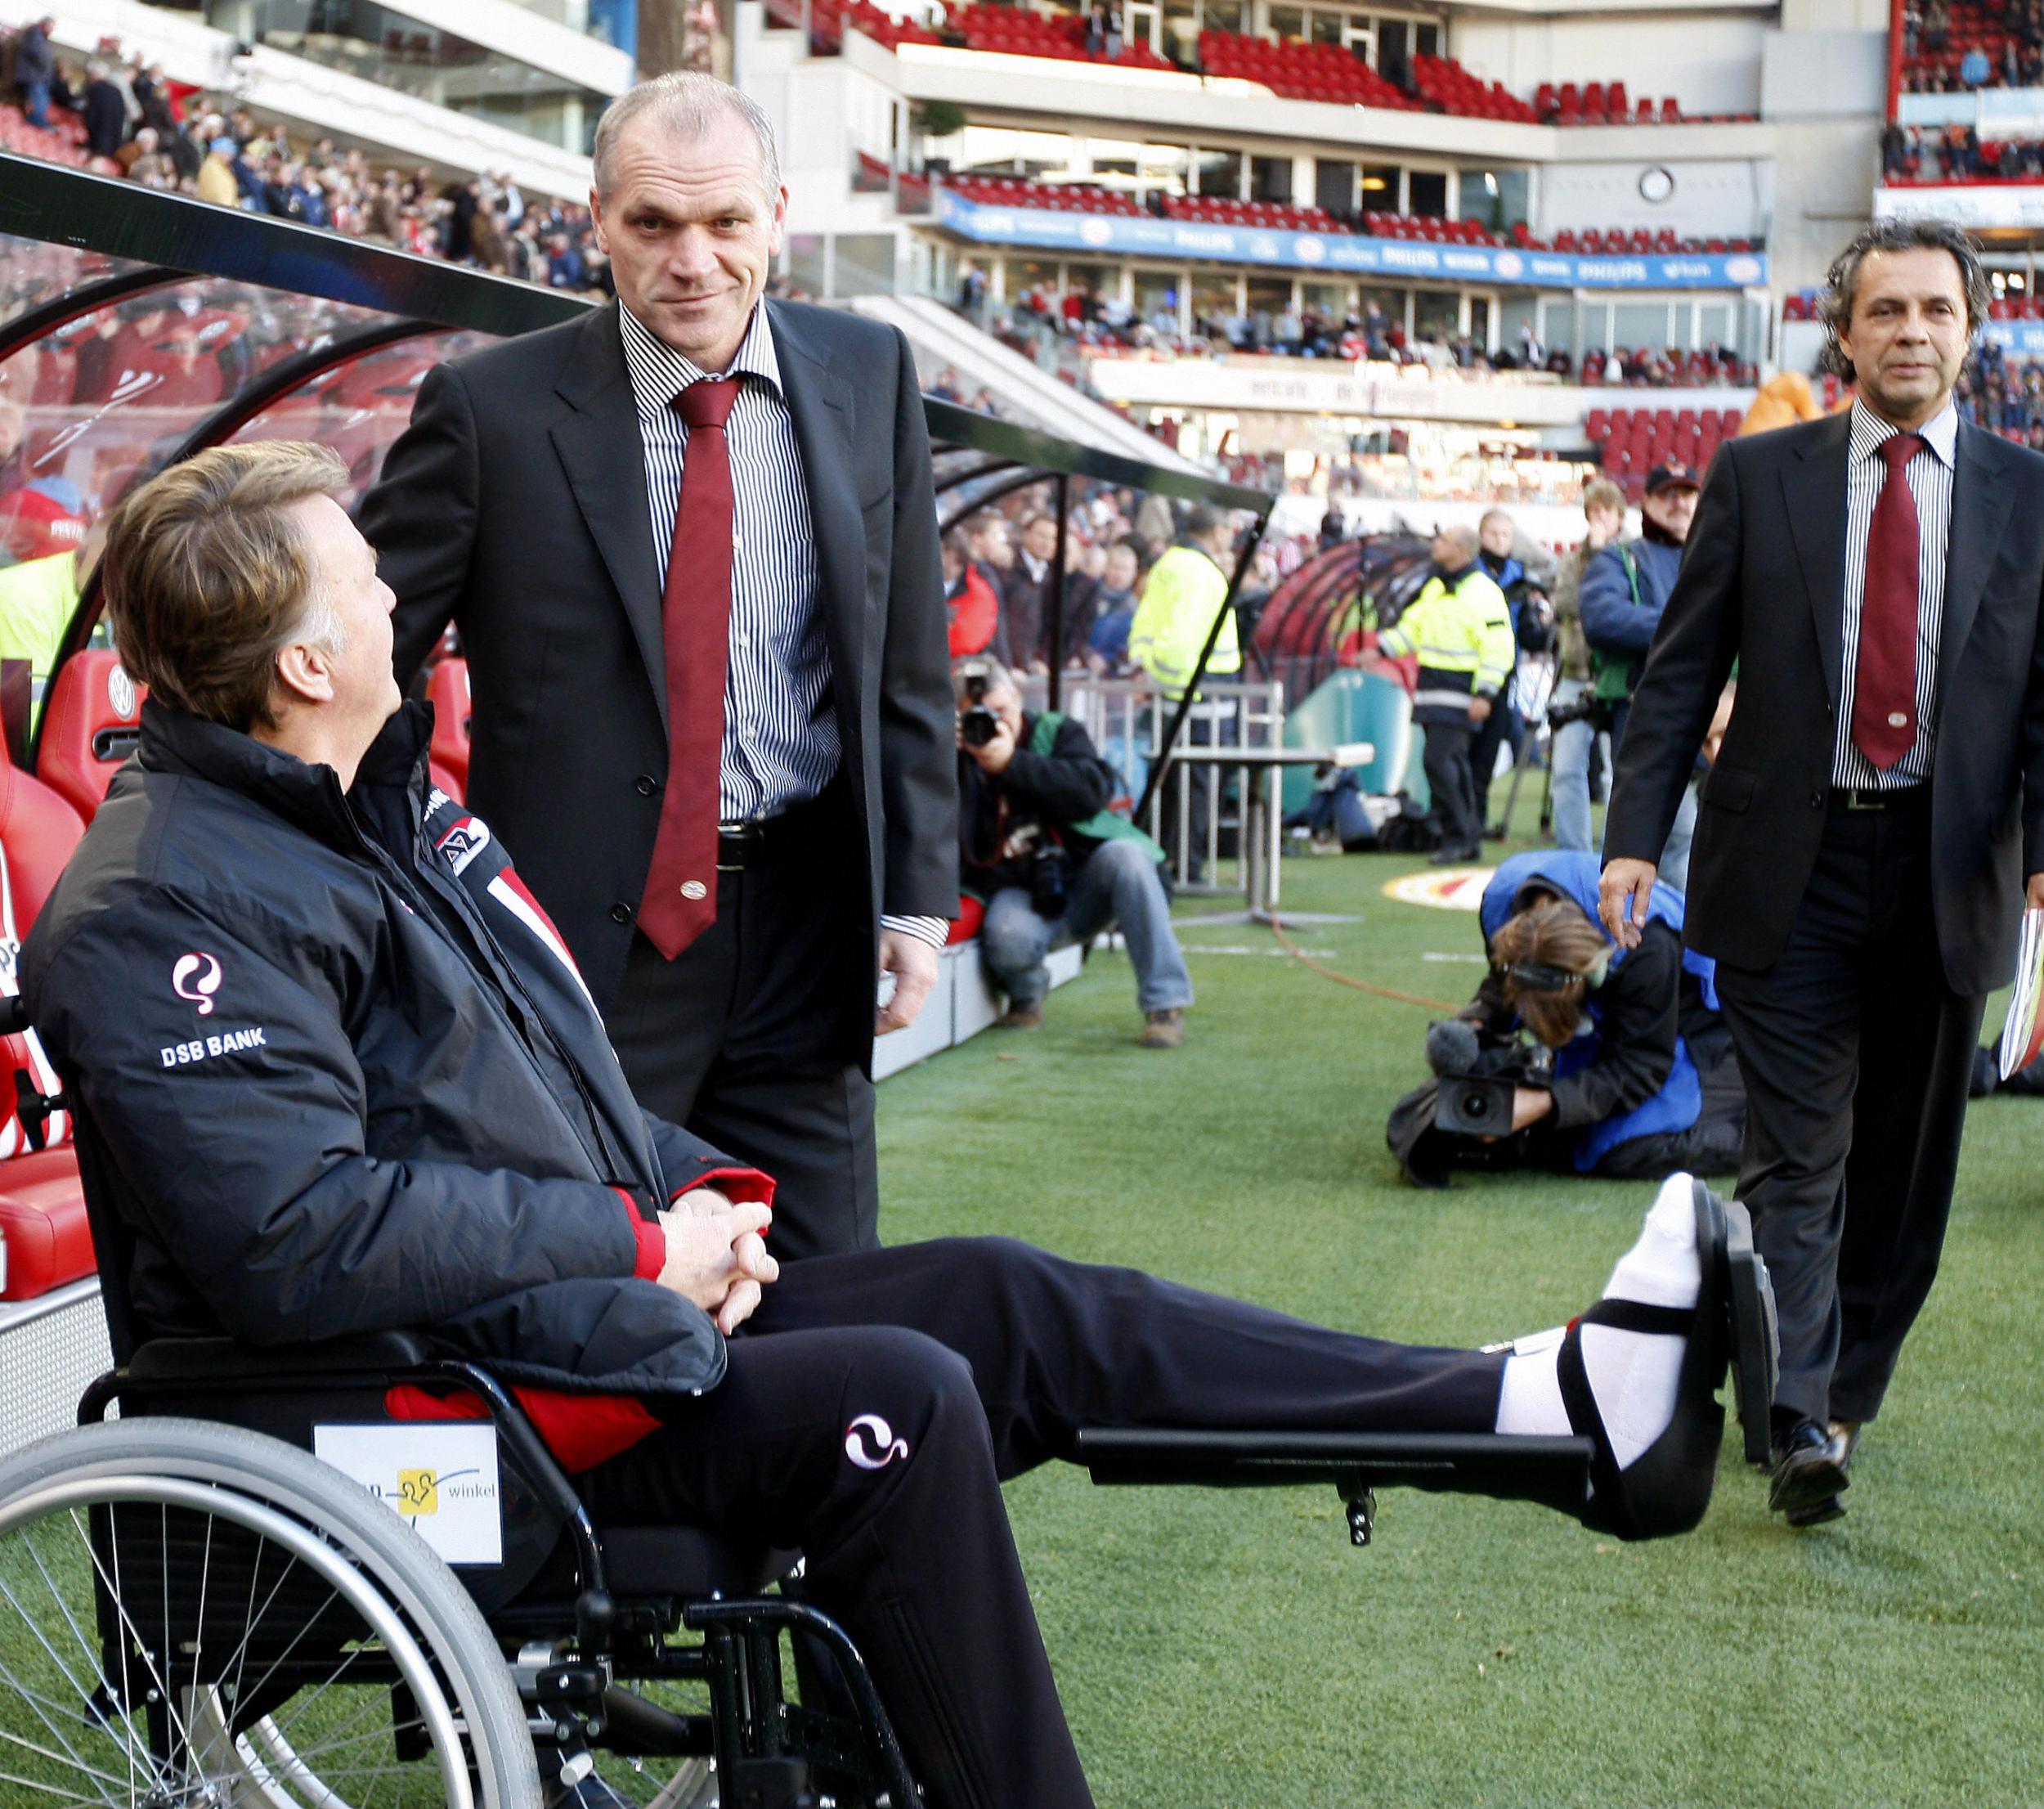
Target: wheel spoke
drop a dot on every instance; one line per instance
(49, 1790)
(167, 1696)
(56, 1733)
(76, 1764)
(96, 1717)
(126, 1736)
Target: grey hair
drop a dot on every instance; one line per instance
(688, 103)
(1841, 282)
(1460, 534)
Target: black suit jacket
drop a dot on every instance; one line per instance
(515, 505)
(1763, 582)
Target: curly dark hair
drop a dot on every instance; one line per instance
(1841, 282)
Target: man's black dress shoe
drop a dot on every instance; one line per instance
(1808, 1477)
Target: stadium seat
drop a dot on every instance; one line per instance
(45, 1239)
(91, 724)
(447, 691)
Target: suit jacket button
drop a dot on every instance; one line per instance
(1817, 800)
(621, 913)
(646, 785)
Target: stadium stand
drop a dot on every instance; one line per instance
(1302, 72)
(1451, 88)
(63, 143)
(993, 190)
(1938, 39)
(1633, 441)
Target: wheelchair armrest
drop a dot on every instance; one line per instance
(227, 1360)
(1477, 1463)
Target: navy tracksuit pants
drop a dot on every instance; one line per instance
(876, 1401)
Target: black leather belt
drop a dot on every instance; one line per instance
(740, 845)
(1873, 798)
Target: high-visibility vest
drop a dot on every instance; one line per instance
(36, 602)
(1462, 636)
(1186, 591)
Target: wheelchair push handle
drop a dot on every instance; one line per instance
(33, 1106)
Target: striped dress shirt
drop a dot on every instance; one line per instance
(1929, 475)
(781, 745)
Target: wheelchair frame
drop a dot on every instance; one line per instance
(768, 1753)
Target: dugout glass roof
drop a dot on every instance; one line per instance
(137, 327)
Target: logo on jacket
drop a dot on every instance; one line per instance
(196, 977)
(871, 1443)
(461, 844)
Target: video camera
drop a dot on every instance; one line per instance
(1474, 1098)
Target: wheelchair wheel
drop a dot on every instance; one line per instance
(194, 1614)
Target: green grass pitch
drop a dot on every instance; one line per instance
(1231, 1649)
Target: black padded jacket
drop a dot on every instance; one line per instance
(345, 1076)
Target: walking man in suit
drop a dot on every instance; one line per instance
(690, 543)
(1874, 818)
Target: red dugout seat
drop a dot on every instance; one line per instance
(45, 1239)
(91, 724)
(447, 691)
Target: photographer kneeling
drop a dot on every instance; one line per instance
(1051, 862)
(1633, 1076)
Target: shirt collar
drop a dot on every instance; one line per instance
(659, 373)
(1940, 432)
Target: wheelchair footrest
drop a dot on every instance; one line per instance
(1356, 1462)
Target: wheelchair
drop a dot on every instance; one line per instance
(197, 1610)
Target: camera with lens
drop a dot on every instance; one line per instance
(1475, 1085)
(1477, 1104)
(977, 724)
(1597, 712)
(1050, 881)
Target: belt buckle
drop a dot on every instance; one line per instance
(1865, 797)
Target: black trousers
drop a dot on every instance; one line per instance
(877, 1402)
(1856, 1058)
(1446, 758)
(1503, 727)
(758, 1036)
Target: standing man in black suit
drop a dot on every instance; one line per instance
(1862, 852)
(690, 543)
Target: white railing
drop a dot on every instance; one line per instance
(1127, 718)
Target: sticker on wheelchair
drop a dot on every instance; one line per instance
(441, 1478)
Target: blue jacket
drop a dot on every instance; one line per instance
(1680, 1102)
(1612, 623)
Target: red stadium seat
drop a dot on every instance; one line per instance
(45, 1240)
(44, 1235)
(91, 724)
(447, 691)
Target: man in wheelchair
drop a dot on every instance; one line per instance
(335, 1072)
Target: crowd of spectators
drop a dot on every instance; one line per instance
(998, 562)
(161, 134)
(1956, 153)
(1953, 48)
(1042, 323)
(2003, 392)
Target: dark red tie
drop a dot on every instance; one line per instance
(694, 626)
(1885, 681)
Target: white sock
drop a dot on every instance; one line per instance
(1632, 1374)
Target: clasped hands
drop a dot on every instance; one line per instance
(717, 1254)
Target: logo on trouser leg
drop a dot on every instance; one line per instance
(871, 1443)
